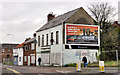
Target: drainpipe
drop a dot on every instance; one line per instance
(62, 46)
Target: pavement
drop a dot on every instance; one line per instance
(0, 68)
(33, 70)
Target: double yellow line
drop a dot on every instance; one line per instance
(14, 71)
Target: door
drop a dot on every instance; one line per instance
(28, 60)
(15, 60)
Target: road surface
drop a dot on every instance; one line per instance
(25, 70)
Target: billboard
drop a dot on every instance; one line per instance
(78, 34)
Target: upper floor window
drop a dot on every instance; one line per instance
(32, 46)
(28, 46)
(47, 39)
(42, 40)
(3, 50)
(57, 37)
(38, 40)
(52, 39)
(8, 49)
(25, 47)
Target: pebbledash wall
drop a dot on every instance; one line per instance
(56, 54)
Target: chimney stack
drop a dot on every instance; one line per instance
(50, 16)
(34, 35)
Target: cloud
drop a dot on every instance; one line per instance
(22, 19)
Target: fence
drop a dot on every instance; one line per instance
(51, 58)
(110, 58)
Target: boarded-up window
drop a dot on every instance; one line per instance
(47, 39)
(57, 37)
(42, 40)
(38, 40)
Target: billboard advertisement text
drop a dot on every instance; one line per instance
(82, 34)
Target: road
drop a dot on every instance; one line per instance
(25, 70)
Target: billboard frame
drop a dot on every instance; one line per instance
(84, 44)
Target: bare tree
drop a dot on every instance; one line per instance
(103, 13)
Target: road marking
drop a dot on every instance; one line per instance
(63, 71)
(14, 71)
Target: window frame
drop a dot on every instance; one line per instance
(20, 59)
(57, 37)
(33, 61)
(51, 38)
(38, 41)
(3, 50)
(25, 58)
(32, 46)
(47, 39)
(42, 40)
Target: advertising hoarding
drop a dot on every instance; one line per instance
(80, 34)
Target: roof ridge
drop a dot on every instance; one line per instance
(57, 20)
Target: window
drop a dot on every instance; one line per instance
(19, 58)
(32, 46)
(33, 59)
(29, 47)
(42, 40)
(8, 49)
(47, 39)
(25, 58)
(15, 59)
(52, 38)
(38, 40)
(3, 50)
(57, 37)
(25, 47)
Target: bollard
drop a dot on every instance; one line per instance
(78, 66)
(101, 67)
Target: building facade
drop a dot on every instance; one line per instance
(18, 54)
(50, 38)
(7, 52)
(29, 52)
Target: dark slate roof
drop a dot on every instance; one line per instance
(58, 20)
(30, 40)
(8, 45)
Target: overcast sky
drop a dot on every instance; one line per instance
(20, 19)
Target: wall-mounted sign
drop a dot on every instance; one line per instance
(78, 34)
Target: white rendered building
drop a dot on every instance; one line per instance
(51, 46)
(18, 51)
